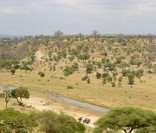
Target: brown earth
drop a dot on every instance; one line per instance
(41, 102)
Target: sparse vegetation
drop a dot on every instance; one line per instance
(110, 71)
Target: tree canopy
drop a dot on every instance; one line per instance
(20, 93)
(54, 123)
(15, 121)
(127, 119)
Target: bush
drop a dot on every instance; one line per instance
(110, 66)
(88, 80)
(22, 130)
(98, 75)
(1, 95)
(69, 87)
(125, 72)
(13, 70)
(109, 78)
(130, 79)
(139, 73)
(75, 66)
(99, 64)
(85, 78)
(114, 73)
(41, 74)
(113, 84)
(120, 79)
(89, 68)
(104, 80)
(104, 75)
(68, 71)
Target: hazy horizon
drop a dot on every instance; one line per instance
(36, 17)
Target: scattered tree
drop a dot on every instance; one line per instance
(89, 68)
(13, 71)
(7, 96)
(20, 93)
(130, 79)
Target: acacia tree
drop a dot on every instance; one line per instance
(58, 33)
(54, 123)
(127, 119)
(7, 95)
(16, 122)
(20, 93)
(95, 33)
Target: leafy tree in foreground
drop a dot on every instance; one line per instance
(127, 119)
(54, 123)
(14, 122)
(20, 93)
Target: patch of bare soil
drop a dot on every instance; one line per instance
(41, 102)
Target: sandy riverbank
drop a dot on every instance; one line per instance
(42, 102)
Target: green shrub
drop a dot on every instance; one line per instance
(109, 78)
(85, 78)
(113, 84)
(89, 68)
(98, 75)
(13, 70)
(130, 79)
(125, 72)
(104, 80)
(69, 87)
(42, 74)
(68, 71)
(88, 80)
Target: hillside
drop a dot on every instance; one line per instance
(109, 71)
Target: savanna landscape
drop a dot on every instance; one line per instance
(116, 72)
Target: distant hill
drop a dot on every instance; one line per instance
(9, 36)
(3, 36)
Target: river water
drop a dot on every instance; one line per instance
(76, 102)
(7, 87)
(65, 99)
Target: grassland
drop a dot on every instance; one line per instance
(123, 52)
(141, 94)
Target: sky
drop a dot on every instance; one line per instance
(35, 17)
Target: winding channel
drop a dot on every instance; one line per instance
(66, 100)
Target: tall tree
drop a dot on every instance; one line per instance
(7, 95)
(58, 33)
(95, 33)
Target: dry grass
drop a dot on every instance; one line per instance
(141, 94)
